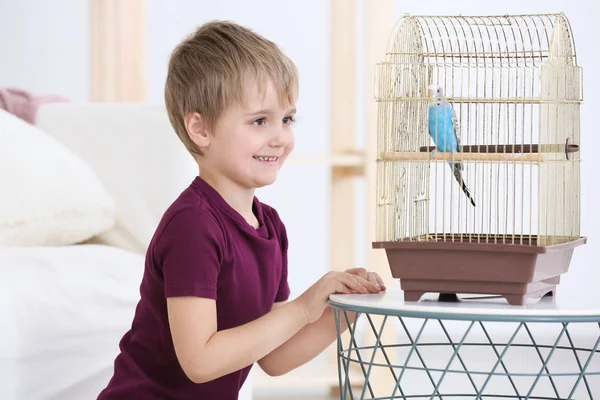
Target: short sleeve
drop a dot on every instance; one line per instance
(284, 288)
(189, 252)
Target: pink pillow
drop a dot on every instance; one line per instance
(23, 104)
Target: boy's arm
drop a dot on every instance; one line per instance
(206, 354)
(309, 342)
(314, 338)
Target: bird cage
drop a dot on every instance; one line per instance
(478, 152)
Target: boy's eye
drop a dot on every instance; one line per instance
(259, 122)
(288, 120)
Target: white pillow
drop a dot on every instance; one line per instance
(48, 195)
(135, 153)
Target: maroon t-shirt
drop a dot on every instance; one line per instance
(202, 247)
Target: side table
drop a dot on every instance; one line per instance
(469, 348)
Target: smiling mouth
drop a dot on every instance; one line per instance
(260, 158)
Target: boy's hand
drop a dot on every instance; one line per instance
(314, 299)
(372, 277)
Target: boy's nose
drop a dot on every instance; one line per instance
(281, 137)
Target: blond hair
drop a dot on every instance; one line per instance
(208, 70)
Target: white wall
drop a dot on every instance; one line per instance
(45, 46)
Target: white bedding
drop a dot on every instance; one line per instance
(63, 311)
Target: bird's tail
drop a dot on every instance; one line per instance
(457, 169)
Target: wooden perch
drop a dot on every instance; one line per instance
(441, 156)
(490, 152)
(510, 149)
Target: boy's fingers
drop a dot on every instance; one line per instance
(373, 279)
(379, 280)
(340, 287)
(370, 286)
(358, 271)
(354, 282)
(370, 280)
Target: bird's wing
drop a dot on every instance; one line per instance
(456, 128)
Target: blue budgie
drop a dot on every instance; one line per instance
(444, 130)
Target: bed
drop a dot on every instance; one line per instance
(66, 307)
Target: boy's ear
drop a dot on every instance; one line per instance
(197, 129)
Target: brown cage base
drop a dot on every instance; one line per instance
(483, 265)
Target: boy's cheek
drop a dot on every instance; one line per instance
(291, 145)
(288, 151)
(285, 156)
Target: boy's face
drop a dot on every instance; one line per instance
(251, 140)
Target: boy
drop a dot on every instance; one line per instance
(214, 293)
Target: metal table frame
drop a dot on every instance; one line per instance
(364, 356)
